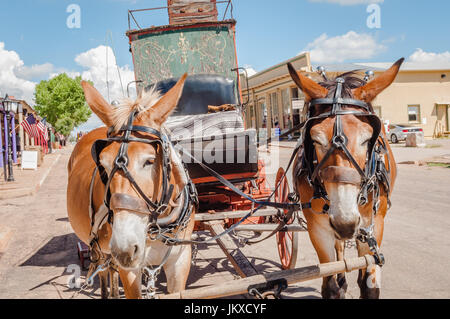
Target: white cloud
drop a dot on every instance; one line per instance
(35, 71)
(420, 56)
(96, 65)
(250, 70)
(10, 82)
(349, 2)
(348, 47)
(16, 78)
(91, 124)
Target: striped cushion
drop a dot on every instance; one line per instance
(203, 125)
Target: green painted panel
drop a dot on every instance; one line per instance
(167, 54)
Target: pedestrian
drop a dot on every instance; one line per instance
(290, 128)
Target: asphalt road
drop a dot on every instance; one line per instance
(41, 245)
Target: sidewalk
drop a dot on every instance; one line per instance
(27, 182)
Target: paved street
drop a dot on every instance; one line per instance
(37, 243)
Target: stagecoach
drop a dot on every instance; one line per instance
(198, 43)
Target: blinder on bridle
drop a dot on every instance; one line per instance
(361, 176)
(144, 204)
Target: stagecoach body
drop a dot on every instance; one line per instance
(206, 50)
(195, 42)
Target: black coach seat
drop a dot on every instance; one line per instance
(201, 90)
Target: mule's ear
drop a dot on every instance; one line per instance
(167, 104)
(97, 103)
(369, 92)
(310, 88)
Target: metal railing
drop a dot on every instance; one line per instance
(131, 16)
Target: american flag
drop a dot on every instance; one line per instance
(42, 130)
(43, 136)
(29, 125)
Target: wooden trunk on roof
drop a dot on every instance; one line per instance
(188, 11)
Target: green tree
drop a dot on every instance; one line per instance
(61, 101)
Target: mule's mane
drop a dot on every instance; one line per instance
(127, 106)
(352, 81)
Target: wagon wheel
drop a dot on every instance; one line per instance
(287, 241)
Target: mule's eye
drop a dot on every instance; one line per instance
(366, 142)
(149, 162)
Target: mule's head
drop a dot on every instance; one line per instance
(129, 230)
(338, 174)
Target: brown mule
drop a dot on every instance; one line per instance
(331, 176)
(126, 238)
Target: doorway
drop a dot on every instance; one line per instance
(443, 116)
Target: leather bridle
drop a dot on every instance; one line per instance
(160, 228)
(365, 177)
(368, 178)
(142, 204)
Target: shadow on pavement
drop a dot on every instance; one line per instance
(60, 251)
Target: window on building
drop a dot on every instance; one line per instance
(286, 108)
(294, 93)
(252, 121)
(262, 107)
(414, 113)
(275, 112)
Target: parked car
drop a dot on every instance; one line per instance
(399, 132)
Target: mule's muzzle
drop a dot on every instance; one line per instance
(344, 230)
(340, 174)
(128, 258)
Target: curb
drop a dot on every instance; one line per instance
(47, 172)
(28, 191)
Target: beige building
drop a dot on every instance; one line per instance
(273, 98)
(419, 96)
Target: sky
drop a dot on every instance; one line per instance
(37, 44)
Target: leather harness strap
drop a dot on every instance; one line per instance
(339, 174)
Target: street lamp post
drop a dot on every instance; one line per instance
(9, 106)
(3, 147)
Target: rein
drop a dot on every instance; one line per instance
(368, 176)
